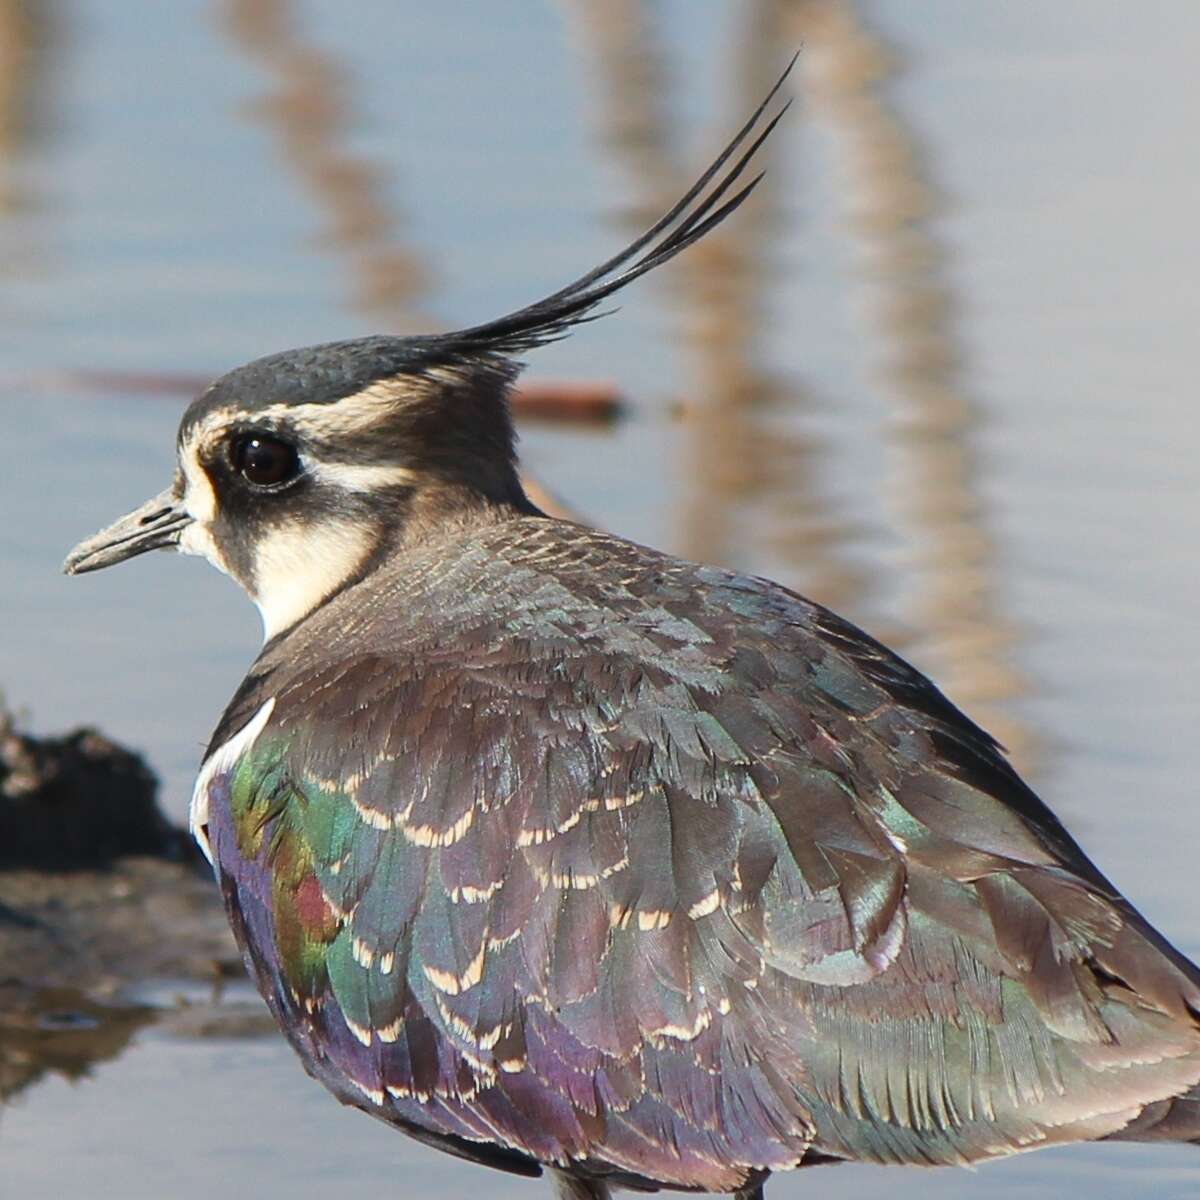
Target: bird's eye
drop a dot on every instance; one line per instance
(264, 461)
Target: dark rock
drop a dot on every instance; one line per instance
(98, 890)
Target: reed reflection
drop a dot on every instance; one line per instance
(750, 478)
(310, 113)
(29, 38)
(750, 465)
(951, 555)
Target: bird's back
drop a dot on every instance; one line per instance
(541, 839)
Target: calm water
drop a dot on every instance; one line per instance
(938, 374)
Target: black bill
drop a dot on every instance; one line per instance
(157, 525)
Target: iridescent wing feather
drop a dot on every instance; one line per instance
(673, 877)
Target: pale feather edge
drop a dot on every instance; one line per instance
(221, 759)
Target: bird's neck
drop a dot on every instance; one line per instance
(302, 570)
(441, 506)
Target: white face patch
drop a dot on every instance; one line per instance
(200, 501)
(198, 540)
(199, 498)
(293, 566)
(297, 566)
(221, 760)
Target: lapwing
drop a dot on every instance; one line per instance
(562, 854)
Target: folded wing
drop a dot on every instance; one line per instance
(679, 883)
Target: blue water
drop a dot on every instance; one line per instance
(939, 374)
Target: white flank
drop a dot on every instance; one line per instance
(220, 760)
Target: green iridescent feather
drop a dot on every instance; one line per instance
(705, 898)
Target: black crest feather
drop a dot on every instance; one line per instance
(327, 373)
(697, 212)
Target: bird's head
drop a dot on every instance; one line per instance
(295, 472)
(298, 471)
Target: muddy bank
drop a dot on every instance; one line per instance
(103, 931)
(98, 889)
(102, 901)
(59, 1031)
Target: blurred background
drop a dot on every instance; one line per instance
(937, 375)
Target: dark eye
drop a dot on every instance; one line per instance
(264, 461)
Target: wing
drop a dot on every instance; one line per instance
(680, 883)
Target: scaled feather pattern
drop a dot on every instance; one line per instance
(558, 850)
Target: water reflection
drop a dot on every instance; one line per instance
(310, 113)
(951, 553)
(746, 474)
(751, 472)
(28, 42)
(30, 35)
(59, 1031)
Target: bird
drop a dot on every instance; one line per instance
(566, 856)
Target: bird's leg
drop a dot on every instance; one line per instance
(571, 1187)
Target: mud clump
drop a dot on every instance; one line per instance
(98, 889)
(78, 801)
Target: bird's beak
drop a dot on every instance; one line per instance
(157, 525)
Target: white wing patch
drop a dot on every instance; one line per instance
(220, 760)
